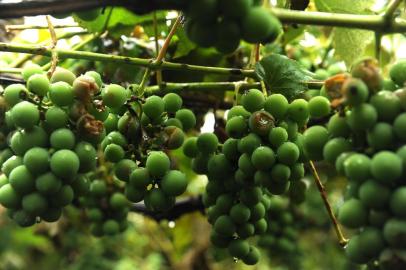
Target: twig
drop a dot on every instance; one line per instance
(342, 240)
(54, 39)
(156, 36)
(180, 208)
(18, 27)
(390, 10)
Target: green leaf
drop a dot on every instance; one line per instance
(121, 20)
(349, 44)
(283, 75)
(183, 44)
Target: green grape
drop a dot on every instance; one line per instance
(381, 136)
(397, 72)
(23, 219)
(203, 11)
(199, 164)
(314, 140)
(207, 143)
(259, 26)
(319, 107)
(357, 167)
(335, 147)
(240, 213)
(3, 180)
(61, 94)
(51, 215)
(173, 102)
(261, 226)
(123, 169)
(353, 214)
(236, 127)
(88, 15)
(62, 138)
(297, 191)
(134, 194)
(219, 240)
(373, 195)
(100, 114)
(48, 183)
(261, 123)
(378, 218)
(56, 117)
(237, 10)
(96, 76)
(174, 183)
(110, 124)
(298, 111)
(397, 202)
(81, 185)
(297, 171)
(117, 138)
(354, 251)
(98, 188)
(114, 152)
(230, 149)
(277, 136)
(158, 200)
(386, 166)
(202, 33)
(238, 110)
(291, 127)
(224, 226)
(251, 195)
(245, 230)
(238, 248)
(13, 93)
(87, 155)
(288, 153)
(111, 227)
(95, 214)
(22, 141)
(173, 122)
(252, 257)
(393, 231)
(355, 91)
(38, 84)
(22, 180)
(63, 197)
(387, 104)
(153, 107)
(157, 164)
(247, 167)
(31, 69)
(187, 118)
(65, 164)
(9, 198)
(362, 117)
(34, 204)
(11, 163)
(213, 213)
(190, 147)
(25, 114)
(230, 34)
(224, 203)
(253, 100)
(263, 158)
(118, 201)
(114, 96)
(249, 143)
(63, 75)
(219, 166)
(257, 212)
(37, 160)
(399, 126)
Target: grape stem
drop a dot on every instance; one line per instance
(54, 42)
(156, 39)
(19, 27)
(341, 238)
(181, 207)
(390, 10)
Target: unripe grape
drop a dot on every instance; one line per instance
(355, 91)
(61, 94)
(393, 231)
(114, 96)
(111, 227)
(9, 198)
(114, 152)
(65, 164)
(399, 126)
(252, 257)
(230, 149)
(62, 138)
(48, 184)
(354, 251)
(319, 107)
(387, 104)
(157, 164)
(238, 248)
(158, 200)
(62, 75)
(174, 183)
(353, 214)
(51, 215)
(362, 117)
(63, 197)
(187, 118)
(397, 72)
(118, 201)
(253, 100)
(288, 153)
(172, 102)
(13, 93)
(386, 166)
(334, 147)
(87, 155)
(263, 158)
(38, 84)
(96, 76)
(373, 195)
(397, 202)
(240, 213)
(249, 143)
(357, 167)
(238, 110)
(277, 136)
(30, 70)
(235, 9)
(22, 180)
(37, 160)
(190, 147)
(134, 194)
(224, 226)
(207, 143)
(34, 204)
(259, 26)
(25, 114)
(123, 169)
(236, 127)
(56, 117)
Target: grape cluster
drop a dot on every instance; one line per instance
(262, 156)
(223, 23)
(282, 234)
(106, 207)
(365, 140)
(142, 137)
(44, 161)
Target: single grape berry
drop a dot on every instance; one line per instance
(158, 164)
(65, 164)
(174, 183)
(114, 96)
(260, 26)
(63, 75)
(62, 138)
(353, 214)
(187, 118)
(263, 158)
(207, 143)
(319, 107)
(38, 84)
(25, 114)
(61, 94)
(173, 102)
(355, 91)
(253, 100)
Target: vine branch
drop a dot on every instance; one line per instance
(42, 50)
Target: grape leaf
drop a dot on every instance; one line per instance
(282, 75)
(349, 44)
